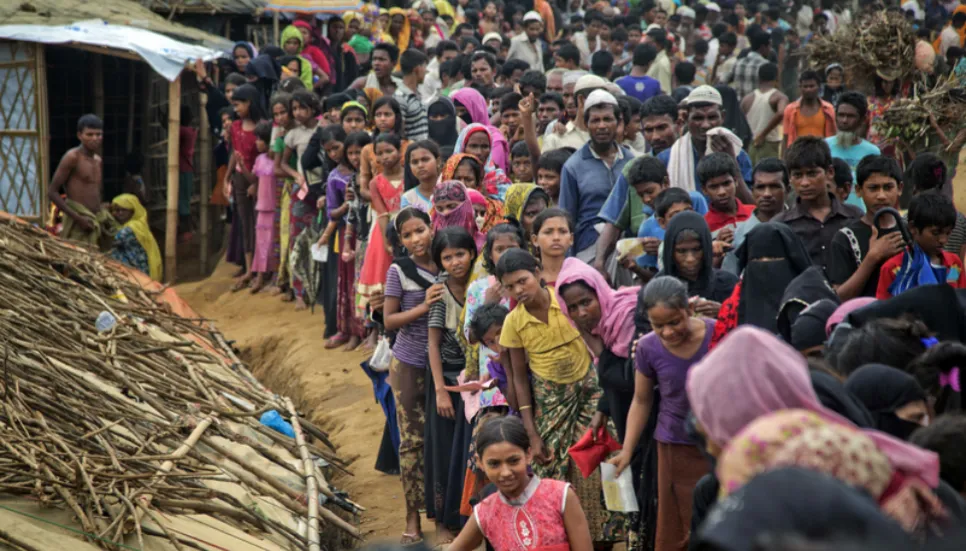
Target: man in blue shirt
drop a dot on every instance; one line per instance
(638, 84)
(625, 210)
(704, 113)
(847, 144)
(592, 171)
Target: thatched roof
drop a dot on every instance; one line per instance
(251, 7)
(118, 12)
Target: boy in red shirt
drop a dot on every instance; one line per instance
(719, 175)
(931, 220)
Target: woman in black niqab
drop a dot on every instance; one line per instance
(770, 257)
(885, 391)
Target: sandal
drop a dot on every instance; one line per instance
(410, 539)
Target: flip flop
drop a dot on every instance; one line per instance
(410, 539)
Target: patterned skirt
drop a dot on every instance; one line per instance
(282, 243)
(349, 323)
(562, 413)
(302, 216)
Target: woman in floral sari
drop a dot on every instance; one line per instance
(134, 244)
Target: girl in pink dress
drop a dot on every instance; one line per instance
(264, 262)
(527, 513)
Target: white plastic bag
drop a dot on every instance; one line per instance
(320, 253)
(382, 356)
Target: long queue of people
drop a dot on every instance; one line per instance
(574, 231)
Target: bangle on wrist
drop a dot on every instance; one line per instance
(525, 407)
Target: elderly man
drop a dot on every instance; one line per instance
(575, 133)
(528, 47)
(592, 170)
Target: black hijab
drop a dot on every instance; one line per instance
(833, 395)
(764, 281)
(940, 307)
(883, 390)
(734, 117)
(443, 131)
(794, 501)
(711, 284)
(808, 330)
(808, 288)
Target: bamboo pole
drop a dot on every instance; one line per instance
(43, 139)
(311, 484)
(204, 138)
(275, 28)
(171, 224)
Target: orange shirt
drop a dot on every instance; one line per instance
(811, 126)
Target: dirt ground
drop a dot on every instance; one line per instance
(285, 350)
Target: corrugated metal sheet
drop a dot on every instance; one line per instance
(207, 6)
(313, 6)
(118, 12)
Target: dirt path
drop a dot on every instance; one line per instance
(285, 350)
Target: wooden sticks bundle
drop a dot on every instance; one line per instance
(155, 415)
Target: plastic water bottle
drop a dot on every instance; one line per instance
(105, 321)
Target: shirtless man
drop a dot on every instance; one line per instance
(384, 58)
(79, 173)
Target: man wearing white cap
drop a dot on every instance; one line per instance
(493, 40)
(575, 132)
(705, 134)
(527, 47)
(590, 173)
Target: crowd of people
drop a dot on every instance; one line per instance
(582, 222)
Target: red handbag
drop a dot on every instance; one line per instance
(588, 453)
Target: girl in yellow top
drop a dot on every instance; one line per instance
(544, 347)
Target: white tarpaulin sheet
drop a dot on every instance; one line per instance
(165, 55)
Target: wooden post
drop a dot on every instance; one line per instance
(204, 141)
(275, 25)
(43, 130)
(99, 85)
(171, 223)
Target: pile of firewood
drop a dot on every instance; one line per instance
(151, 418)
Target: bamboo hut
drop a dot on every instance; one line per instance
(48, 80)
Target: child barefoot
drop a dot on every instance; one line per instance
(263, 263)
(410, 293)
(385, 192)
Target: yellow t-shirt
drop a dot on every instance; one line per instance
(555, 349)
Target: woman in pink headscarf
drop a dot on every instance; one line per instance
(452, 207)
(605, 318)
(753, 373)
(471, 108)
